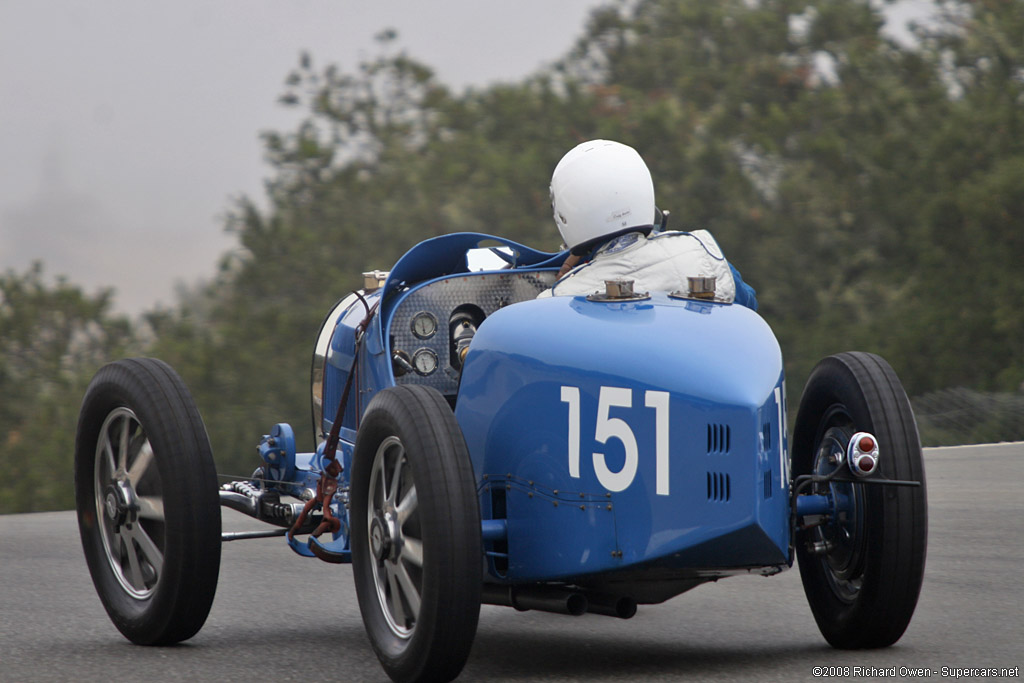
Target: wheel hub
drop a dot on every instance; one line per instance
(385, 539)
(378, 539)
(841, 539)
(119, 503)
(113, 509)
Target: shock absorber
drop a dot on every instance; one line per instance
(264, 505)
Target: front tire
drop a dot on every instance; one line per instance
(864, 589)
(416, 548)
(146, 494)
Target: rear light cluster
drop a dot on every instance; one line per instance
(862, 454)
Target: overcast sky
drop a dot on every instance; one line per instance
(127, 127)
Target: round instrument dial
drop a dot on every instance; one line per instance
(424, 325)
(424, 361)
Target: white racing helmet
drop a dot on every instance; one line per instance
(601, 188)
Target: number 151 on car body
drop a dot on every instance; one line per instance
(609, 427)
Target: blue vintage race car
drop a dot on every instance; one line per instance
(477, 444)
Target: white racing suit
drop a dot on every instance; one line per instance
(660, 262)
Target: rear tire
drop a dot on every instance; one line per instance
(146, 494)
(416, 547)
(863, 592)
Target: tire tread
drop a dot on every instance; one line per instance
(867, 388)
(153, 390)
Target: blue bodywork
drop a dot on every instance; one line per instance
(720, 499)
(608, 439)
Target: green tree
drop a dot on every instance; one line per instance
(53, 337)
(970, 288)
(848, 176)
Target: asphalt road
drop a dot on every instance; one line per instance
(281, 617)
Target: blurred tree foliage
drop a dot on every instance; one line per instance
(52, 339)
(872, 192)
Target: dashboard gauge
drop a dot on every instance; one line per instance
(424, 325)
(424, 361)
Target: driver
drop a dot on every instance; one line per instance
(602, 196)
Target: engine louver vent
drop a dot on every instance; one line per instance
(719, 487)
(766, 436)
(768, 484)
(719, 438)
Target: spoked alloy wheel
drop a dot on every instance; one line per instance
(129, 503)
(146, 494)
(396, 544)
(861, 569)
(416, 548)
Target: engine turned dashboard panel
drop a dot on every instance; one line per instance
(435, 322)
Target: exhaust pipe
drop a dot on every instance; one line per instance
(540, 598)
(621, 606)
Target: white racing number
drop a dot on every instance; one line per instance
(609, 427)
